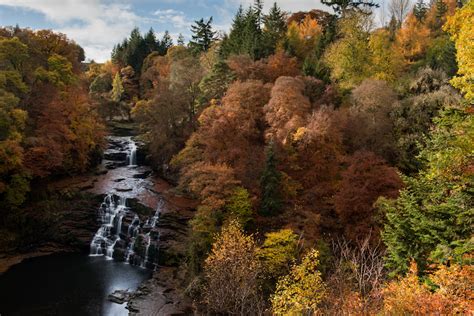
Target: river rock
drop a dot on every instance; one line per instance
(119, 296)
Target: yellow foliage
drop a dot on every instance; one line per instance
(413, 39)
(461, 28)
(301, 291)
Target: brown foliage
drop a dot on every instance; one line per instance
(288, 108)
(267, 70)
(233, 133)
(365, 180)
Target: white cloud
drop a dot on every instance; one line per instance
(93, 24)
(174, 18)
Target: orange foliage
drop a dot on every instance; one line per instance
(412, 39)
(267, 70)
(408, 296)
(233, 133)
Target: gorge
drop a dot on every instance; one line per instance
(124, 251)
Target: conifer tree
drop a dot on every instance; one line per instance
(274, 29)
(271, 203)
(165, 43)
(419, 10)
(180, 40)
(203, 35)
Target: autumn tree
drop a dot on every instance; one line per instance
(460, 25)
(277, 253)
(231, 273)
(347, 57)
(366, 179)
(302, 290)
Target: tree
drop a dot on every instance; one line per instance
(240, 207)
(412, 39)
(203, 35)
(302, 290)
(348, 57)
(399, 9)
(460, 26)
(231, 273)
(450, 295)
(342, 6)
(271, 202)
(180, 40)
(165, 43)
(419, 10)
(117, 88)
(151, 42)
(366, 179)
(430, 221)
(277, 254)
(274, 29)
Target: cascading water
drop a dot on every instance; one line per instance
(125, 235)
(107, 235)
(132, 154)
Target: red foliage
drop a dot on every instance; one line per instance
(366, 179)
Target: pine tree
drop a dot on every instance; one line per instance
(274, 29)
(342, 6)
(150, 41)
(232, 44)
(419, 10)
(203, 35)
(165, 43)
(271, 203)
(431, 221)
(180, 40)
(136, 50)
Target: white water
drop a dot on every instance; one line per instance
(122, 235)
(104, 241)
(132, 154)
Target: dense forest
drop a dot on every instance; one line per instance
(332, 155)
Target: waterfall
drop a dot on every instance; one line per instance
(105, 239)
(132, 154)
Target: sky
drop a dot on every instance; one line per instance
(97, 25)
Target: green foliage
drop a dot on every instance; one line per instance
(302, 290)
(239, 206)
(271, 202)
(215, 83)
(117, 88)
(203, 35)
(278, 252)
(274, 29)
(441, 55)
(341, 6)
(432, 218)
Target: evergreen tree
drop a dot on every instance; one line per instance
(165, 43)
(215, 83)
(203, 35)
(136, 50)
(180, 40)
(150, 41)
(232, 44)
(432, 220)
(274, 29)
(341, 6)
(419, 10)
(271, 203)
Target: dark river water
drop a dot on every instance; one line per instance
(67, 284)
